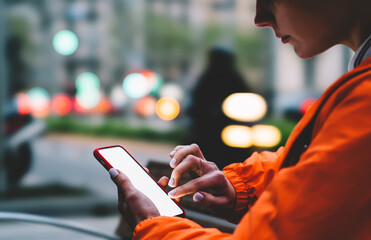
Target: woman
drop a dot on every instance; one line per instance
(316, 187)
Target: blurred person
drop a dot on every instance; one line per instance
(317, 186)
(219, 80)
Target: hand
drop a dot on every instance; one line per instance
(133, 205)
(124, 230)
(210, 187)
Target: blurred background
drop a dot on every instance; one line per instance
(145, 74)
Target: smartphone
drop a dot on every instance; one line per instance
(119, 158)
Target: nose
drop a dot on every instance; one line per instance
(263, 16)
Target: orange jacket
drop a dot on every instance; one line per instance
(317, 187)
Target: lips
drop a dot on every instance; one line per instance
(285, 39)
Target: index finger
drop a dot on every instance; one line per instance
(191, 187)
(182, 152)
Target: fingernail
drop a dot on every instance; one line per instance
(172, 153)
(171, 182)
(198, 197)
(113, 173)
(173, 162)
(172, 193)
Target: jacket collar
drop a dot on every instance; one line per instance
(300, 137)
(361, 54)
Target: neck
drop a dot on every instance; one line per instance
(356, 40)
(361, 26)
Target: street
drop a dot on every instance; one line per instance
(69, 160)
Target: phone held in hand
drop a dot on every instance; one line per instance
(119, 158)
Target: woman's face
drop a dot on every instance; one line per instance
(310, 26)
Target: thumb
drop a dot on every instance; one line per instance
(120, 179)
(208, 200)
(113, 173)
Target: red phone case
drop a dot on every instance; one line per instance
(108, 166)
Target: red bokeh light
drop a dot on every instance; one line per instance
(23, 104)
(62, 104)
(306, 104)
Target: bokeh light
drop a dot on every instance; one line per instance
(172, 90)
(87, 81)
(306, 104)
(249, 107)
(61, 104)
(104, 106)
(87, 90)
(266, 136)
(136, 85)
(23, 104)
(146, 106)
(78, 108)
(118, 97)
(65, 42)
(88, 100)
(237, 136)
(39, 101)
(155, 81)
(167, 108)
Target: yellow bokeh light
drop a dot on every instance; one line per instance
(265, 135)
(167, 108)
(249, 107)
(237, 136)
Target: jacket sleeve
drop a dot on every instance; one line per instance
(175, 228)
(250, 178)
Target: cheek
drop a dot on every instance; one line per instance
(310, 32)
(310, 39)
(310, 47)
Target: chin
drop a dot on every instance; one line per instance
(305, 54)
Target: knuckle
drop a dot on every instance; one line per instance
(197, 184)
(191, 158)
(120, 181)
(194, 146)
(219, 176)
(212, 167)
(178, 147)
(131, 196)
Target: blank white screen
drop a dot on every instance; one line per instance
(122, 161)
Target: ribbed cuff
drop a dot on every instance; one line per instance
(245, 197)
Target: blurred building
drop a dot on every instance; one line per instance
(113, 39)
